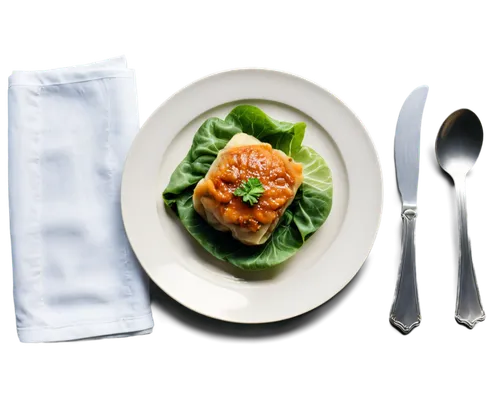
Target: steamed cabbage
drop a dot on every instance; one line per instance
(298, 221)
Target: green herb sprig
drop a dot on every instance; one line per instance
(250, 191)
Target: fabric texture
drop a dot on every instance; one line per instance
(75, 275)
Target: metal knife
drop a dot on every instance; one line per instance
(405, 313)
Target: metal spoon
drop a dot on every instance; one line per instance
(458, 145)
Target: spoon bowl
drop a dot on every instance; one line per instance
(459, 143)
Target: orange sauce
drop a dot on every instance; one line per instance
(236, 166)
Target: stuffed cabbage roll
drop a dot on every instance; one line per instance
(246, 161)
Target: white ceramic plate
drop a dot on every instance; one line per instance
(327, 261)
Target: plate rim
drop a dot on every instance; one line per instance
(284, 74)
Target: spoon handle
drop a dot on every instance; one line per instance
(469, 310)
(405, 313)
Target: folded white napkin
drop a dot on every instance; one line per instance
(75, 275)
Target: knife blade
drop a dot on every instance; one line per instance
(405, 312)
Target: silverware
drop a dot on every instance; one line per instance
(405, 313)
(458, 145)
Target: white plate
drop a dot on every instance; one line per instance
(327, 261)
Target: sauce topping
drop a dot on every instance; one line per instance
(237, 165)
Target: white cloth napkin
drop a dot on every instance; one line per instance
(75, 275)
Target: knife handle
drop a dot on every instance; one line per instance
(405, 313)
(469, 310)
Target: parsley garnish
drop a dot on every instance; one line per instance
(250, 191)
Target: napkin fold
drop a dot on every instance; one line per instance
(75, 275)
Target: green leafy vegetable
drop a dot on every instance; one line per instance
(306, 214)
(250, 190)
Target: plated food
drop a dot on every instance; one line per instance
(316, 269)
(248, 191)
